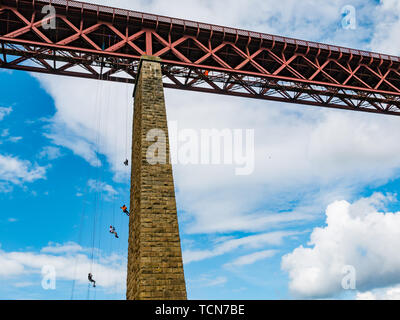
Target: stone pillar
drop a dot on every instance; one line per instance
(155, 268)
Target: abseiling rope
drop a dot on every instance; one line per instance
(80, 229)
(98, 109)
(120, 224)
(103, 125)
(124, 220)
(128, 134)
(126, 124)
(84, 211)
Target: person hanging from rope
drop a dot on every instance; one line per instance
(90, 277)
(112, 230)
(126, 162)
(125, 210)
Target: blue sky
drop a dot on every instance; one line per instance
(322, 196)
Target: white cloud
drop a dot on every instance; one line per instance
(308, 156)
(361, 235)
(249, 242)
(251, 258)
(78, 145)
(16, 171)
(392, 293)
(108, 192)
(70, 263)
(24, 284)
(9, 267)
(69, 247)
(90, 125)
(387, 22)
(4, 112)
(206, 281)
(6, 134)
(14, 139)
(12, 220)
(50, 153)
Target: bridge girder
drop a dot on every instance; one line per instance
(104, 43)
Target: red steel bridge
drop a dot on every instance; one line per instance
(99, 42)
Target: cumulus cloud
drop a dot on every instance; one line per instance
(359, 234)
(71, 262)
(299, 155)
(9, 267)
(392, 293)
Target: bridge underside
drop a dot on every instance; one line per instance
(105, 43)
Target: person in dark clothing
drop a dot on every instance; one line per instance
(91, 280)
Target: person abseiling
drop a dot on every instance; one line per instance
(112, 230)
(91, 280)
(125, 210)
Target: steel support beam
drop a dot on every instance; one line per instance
(99, 42)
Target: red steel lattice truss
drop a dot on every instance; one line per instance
(99, 42)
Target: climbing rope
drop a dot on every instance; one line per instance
(84, 210)
(80, 229)
(97, 201)
(97, 229)
(126, 124)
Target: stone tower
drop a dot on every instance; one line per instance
(155, 267)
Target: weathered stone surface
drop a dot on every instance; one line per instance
(155, 268)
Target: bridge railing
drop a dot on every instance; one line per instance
(216, 28)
